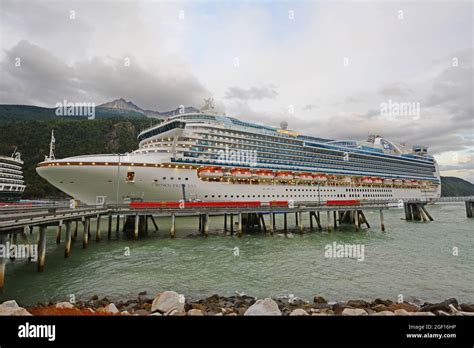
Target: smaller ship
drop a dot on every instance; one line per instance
(11, 178)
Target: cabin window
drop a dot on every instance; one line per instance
(130, 176)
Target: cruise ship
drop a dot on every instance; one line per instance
(11, 178)
(207, 156)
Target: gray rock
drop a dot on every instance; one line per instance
(11, 308)
(263, 307)
(64, 305)
(353, 311)
(111, 308)
(298, 311)
(383, 313)
(167, 302)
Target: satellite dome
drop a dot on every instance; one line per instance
(284, 125)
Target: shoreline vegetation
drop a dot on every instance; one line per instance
(174, 304)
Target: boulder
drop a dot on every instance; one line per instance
(383, 313)
(378, 301)
(195, 313)
(298, 311)
(401, 312)
(358, 304)
(409, 307)
(442, 306)
(263, 307)
(319, 300)
(380, 308)
(11, 308)
(353, 311)
(167, 302)
(64, 305)
(467, 307)
(111, 308)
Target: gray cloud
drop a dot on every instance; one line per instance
(252, 93)
(43, 79)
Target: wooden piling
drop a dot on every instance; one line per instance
(239, 231)
(262, 223)
(273, 222)
(356, 220)
(85, 234)
(364, 219)
(271, 227)
(173, 226)
(329, 221)
(42, 248)
(231, 224)
(76, 229)
(469, 208)
(285, 223)
(154, 223)
(334, 214)
(109, 228)
(225, 222)
(206, 225)
(67, 243)
(58, 233)
(311, 220)
(136, 225)
(97, 231)
(382, 225)
(300, 220)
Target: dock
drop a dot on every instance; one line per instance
(239, 218)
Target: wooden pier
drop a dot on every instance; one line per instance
(20, 221)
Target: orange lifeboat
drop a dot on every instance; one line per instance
(304, 177)
(241, 173)
(210, 172)
(284, 176)
(320, 177)
(377, 180)
(366, 180)
(263, 175)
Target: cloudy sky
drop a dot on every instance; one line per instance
(328, 68)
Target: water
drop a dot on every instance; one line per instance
(412, 258)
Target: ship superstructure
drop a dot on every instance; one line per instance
(12, 184)
(211, 157)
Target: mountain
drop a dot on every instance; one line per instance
(452, 186)
(123, 105)
(116, 108)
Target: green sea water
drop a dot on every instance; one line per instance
(427, 261)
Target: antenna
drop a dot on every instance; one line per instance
(14, 151)
(51, 147)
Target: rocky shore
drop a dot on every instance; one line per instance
(172, 303)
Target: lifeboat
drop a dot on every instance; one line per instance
(345, 180)
(263, 175)
(210, 172)
(240, 173)
(407, 182)
(366, 180)
(377, 180)
(398, 181)
(388, 181)
(284, 176)
(304, 177)
(320, 178)
(423, 183)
